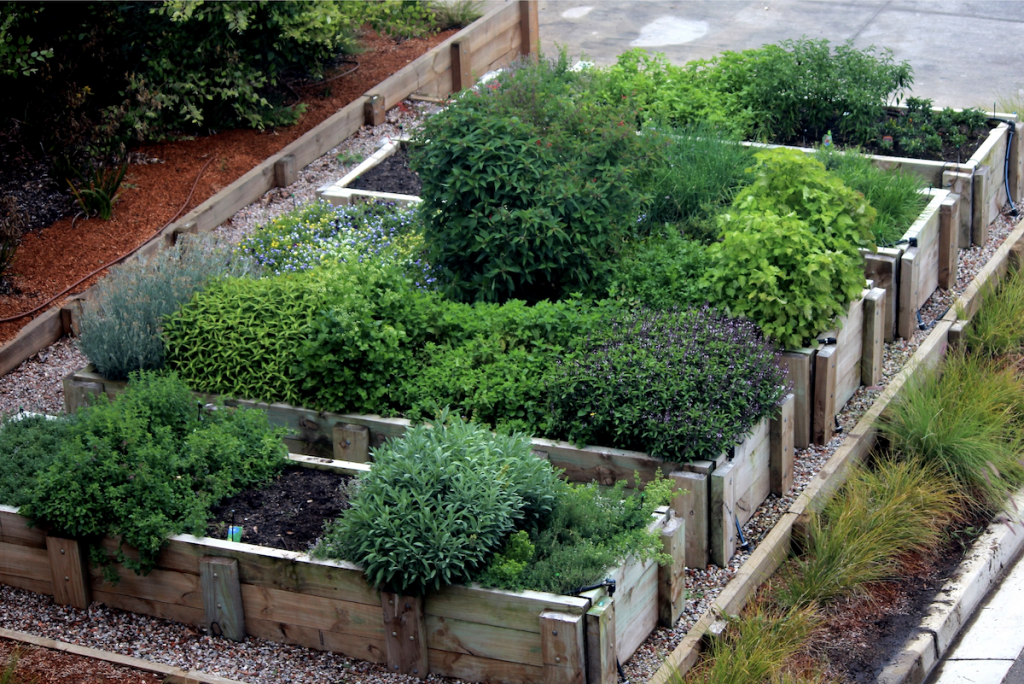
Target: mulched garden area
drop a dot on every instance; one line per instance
(289, 514)
(45, 666)
(159, 179)
(391, 175)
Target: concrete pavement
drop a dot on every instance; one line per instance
(963, 53)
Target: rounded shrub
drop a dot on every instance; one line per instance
(438, 503)
(528, 185)
(679, 385)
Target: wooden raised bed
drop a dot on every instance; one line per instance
(488, 43)
(339, 193)
(466, 632)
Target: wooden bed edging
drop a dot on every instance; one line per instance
(775, 548)
(467, 632)
(493, 40)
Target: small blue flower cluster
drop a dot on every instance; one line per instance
(319, 234)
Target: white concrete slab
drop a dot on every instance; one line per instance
(973, 671)
(998, 629)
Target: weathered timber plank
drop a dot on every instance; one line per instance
(782, 451)
(498, 51)
(849, 350)
(329, 615)
(222, 597)
(68, 572)
(14, 529)
(164, 586)
(462, 66)
(722, 523)
(24, 561)
(751, 476)
(691, 502)
(799, 367)
(327, 134)
(529, 26)
(883, 269)
(603, 465)
(636, 606)
(982, 215)
(222, 206)
(824, 394)
(949, 219)
(486, 641)
(872, 343)
(475, 669)
(561, 637)
(601, 661)
(766, 559)
(672, 577)
(28, 584)
(906, 315)
(962, 183)
(330, 465)
(351, 442)
(500, 608)
(43, 331)
(405, 634)
(168, 611)
(352, 645)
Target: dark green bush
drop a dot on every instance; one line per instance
(661, 271)
(528, 185)
(438, 503)
(27, 445)
(121, 325)
(789, 258)
(679, 385)
(150, 464)
(590, 531)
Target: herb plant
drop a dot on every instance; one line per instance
(121, 326)
(437, 504)
(679, 385)
(28, 444)
(528, 185)
(662, 271)
(149, 465)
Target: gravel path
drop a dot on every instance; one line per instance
(36, 386)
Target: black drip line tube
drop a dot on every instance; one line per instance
(1006, 162)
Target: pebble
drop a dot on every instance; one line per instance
(36, 385)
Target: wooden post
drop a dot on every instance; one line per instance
(68, 572)
(561, 639)
(1017, 163)
(979, 208)
(286, 171)
(883, 270)
(529, 27)
(799, 364)
(601, 667)
(955, 336)
(962, 184)
(824, 394)
(405, 634)
(949, 219)
(462, 69)
(222, 597)
(672, 577)
(691, 504)
(906, 316)
(373, 110)
(352, 443)
(723, 524)
(873, 347)
(781, 465)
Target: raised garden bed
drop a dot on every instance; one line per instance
(461, 631)
(383, 176)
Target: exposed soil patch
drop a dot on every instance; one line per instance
(45, 666)
(289, 514)
(53, 258)
(860, 635)
(391, 175)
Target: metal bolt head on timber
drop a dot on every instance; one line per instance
(407, 606)
(412, 639)
(214, 575)
(558, 659)
(415, 671)
(66, 578)
(555, 632)
(394, 634)
(62, 552)
(391, 602)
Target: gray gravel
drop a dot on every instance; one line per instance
(35, 385)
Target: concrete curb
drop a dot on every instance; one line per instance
(990, 556)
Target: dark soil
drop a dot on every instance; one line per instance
(391, 175)
(861, 635)
(289, 514)
(26, 177)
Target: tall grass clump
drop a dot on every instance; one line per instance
(896, 196)
(694, 173)
(965, 422)
(899, 506)
(121, 326)
(756, 646)
(998, 329)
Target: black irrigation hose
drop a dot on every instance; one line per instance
(1006, 162)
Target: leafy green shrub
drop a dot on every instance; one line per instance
(240, 336)
(895, 196)
(680, 385)
(28, 445)
(967, 423)
(662, 271)
(898, 507)
(319, 233)
(528, 185)
(590, 531)
(438, 503)
(150, 464)
(692, 175)
(789, 258)
(121, 326)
